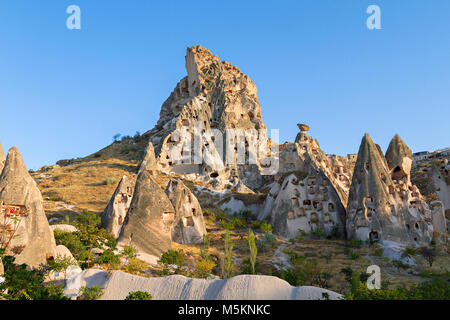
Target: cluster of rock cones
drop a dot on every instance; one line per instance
(368, 196)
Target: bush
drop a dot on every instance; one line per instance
(135, 266)
(267, 242)
(129, 251)
(108, 257)
(23, 284)
(204, 267)
(90, 293)
(265, 227)
(436, 289)
(139, 295)
(173, 257)
(61, 264)
(108, 181)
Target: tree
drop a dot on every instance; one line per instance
(116, 137)
(61, 264)
(429, 254)
(253, 249)
(228, 264)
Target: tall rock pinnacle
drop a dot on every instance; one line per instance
(19, 192)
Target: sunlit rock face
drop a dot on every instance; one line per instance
(33, 242)
(188, 226)
(204, 115)
(383, 203)
(116, 211)
(149, 219)
(2, 158)
(310, 191)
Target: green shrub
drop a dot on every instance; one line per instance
(265, 227)
(204, 267)
(23, 284)
(253, 249)
(109, 257)
(90, 293)
(135, 266)
(173, 257)
(139, 295)
(266, 242)
(129, 251)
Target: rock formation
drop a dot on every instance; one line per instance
(310, 192)
(2, 158)
(383, 203)
(211, 101)
(19, 194)
(149, 161)
(117, 208)
(149, 219)
(119, 284)
(188, 226)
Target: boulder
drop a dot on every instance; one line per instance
(149, 219)
(64, 227)
(189, 226)
(117, 208)
(34, 241)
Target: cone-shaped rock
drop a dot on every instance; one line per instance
(399, 158)
(34, 241)
(149, 219)
(149, 161)
(116, 211)
(382, 207)
(189, 226)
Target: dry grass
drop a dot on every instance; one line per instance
(82, 185)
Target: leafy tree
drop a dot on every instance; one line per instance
(139, 295)
(253, 249)
(116, 137)
(61, 264)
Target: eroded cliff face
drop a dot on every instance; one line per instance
(383, 203)
(311, 190)
(203, 115)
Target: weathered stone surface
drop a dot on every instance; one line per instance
(303, 127)
(117, 208)
(149, 161)
(438, 215)
(214, 97)
(64, 227)
(189, 226)
(310, 191)
(149, 219)
(118, 285)
(383, 204)
(17, 187)
(2, 158)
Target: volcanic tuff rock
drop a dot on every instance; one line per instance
(215, 96)
(149, 219)
(2, 158)
(189, 226)
(149, 162)
(116, 211)
(310, 192)
(34, 235)
(119, 284)
(383, 204)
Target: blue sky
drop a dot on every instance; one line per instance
(65, 93)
